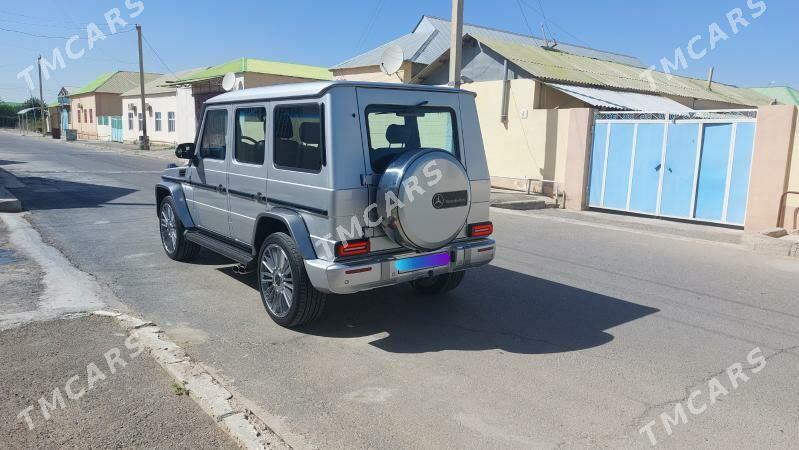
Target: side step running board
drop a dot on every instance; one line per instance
(223, 248)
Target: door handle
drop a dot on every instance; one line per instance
(221, 189)
(657, 168)
(259, 197)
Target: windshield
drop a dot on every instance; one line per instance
(394, 129)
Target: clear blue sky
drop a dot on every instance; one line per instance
(201, 33)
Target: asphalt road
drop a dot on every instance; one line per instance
(574, 336)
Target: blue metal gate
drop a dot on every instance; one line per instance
(689, 165)
(116, 128)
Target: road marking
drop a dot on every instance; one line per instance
(370, 395)
(102, 222)
(136, 255)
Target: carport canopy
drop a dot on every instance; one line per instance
(620, 100)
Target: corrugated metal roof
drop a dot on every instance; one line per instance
(431, 38)
(624, 101)
(783, 94)
(550, 65)
(257, 66)
(411, 45)
(160, 85)
(114, 83)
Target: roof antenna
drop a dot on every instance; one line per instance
(546, 39)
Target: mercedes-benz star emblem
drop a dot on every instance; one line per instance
(438, 201)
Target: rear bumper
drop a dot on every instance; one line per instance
(354, 276)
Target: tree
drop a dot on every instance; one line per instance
(32, 102)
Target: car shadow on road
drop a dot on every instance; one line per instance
(42, 193)
(494, 308)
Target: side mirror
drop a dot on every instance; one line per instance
(185, 151)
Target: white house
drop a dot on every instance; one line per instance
(169, 111)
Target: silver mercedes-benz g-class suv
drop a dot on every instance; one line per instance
(333, 187)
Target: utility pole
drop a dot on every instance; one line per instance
(41, 95)
(145, 142)
(456, 44)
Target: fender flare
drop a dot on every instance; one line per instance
(296, 226)
(176, 191)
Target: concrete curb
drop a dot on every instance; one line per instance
(519, 205)
(9, 203)
(206, 390)
(768, 245)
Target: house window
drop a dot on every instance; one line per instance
(79, 121)
(91, 116)
(86, 116)
(299, 138)
(158, 121)
(140, 122)
(170, 118)
(130, 120)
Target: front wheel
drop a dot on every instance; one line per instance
(438, 284)
(175, 244)
(287, 293)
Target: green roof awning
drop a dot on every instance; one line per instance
(242, 65)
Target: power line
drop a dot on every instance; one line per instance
(158, 56)
(9, 13)
(564, 30)
(369, 26)
(44, 36)
(524, 16)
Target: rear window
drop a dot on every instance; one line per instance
(393, 129)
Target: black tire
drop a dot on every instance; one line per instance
(307, 303)
(439, 284)
(182, 249)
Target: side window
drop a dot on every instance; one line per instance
(250, 135)
(214, 138)
(299, 142)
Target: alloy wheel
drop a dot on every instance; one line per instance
(169, 231)
(277, 281)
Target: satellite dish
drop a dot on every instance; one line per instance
(392, 59)
(229, 81)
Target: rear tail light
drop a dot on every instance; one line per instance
(480, 229)
(352, 248)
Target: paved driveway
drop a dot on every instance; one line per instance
(576, 335)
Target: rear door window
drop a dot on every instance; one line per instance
(394, 129)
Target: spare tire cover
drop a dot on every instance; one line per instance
(424, 198)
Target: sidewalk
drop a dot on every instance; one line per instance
(80, 383)
(80, 371)
(763, 243)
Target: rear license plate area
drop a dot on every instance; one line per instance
(422, 262)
